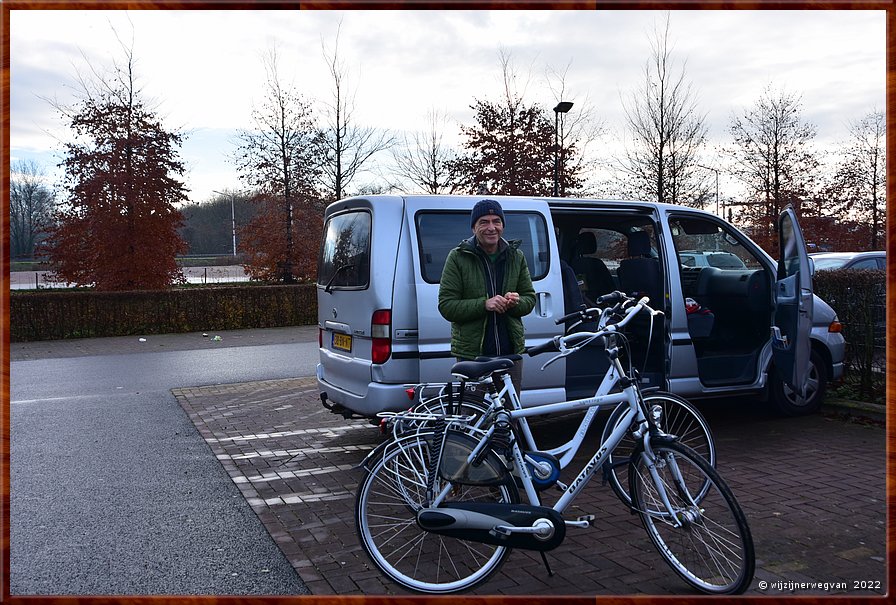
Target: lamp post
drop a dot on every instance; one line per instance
(562, 107)
(232, 218)
(716, 170)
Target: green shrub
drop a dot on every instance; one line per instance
(59, 314)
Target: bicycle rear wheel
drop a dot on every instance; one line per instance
(386, 509)
(708, 544)
(680, 418)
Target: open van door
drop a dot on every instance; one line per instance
(791, 348)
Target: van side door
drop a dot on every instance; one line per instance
(793, 305)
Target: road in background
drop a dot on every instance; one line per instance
(29, 280)
(113, 491)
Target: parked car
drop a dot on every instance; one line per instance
(381, 260)
(710, 258)
(827, 261)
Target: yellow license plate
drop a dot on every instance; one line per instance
(342, 342)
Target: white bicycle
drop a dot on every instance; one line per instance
(439, 509)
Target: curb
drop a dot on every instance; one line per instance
(855, 409)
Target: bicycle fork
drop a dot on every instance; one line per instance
(678, 516)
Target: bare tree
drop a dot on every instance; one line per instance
(424, 160)
(667, 132)
(772, 155)
(30, 206)
(348, 146)
(280, 159)
(859, 183)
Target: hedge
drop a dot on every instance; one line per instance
(859, 298)
(56, 315)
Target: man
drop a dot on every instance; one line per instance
(486, 290)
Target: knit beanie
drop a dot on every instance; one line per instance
(486, 207)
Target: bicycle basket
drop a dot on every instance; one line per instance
(454, 467)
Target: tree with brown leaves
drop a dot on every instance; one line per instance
(280, 159)
(117, 228)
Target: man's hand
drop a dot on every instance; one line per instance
(500, 304)
(497, 303)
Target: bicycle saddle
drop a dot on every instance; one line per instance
(477, 370)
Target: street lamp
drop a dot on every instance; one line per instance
(716, 170)
(232, 218)
(562, 107)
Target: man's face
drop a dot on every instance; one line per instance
(488, 230)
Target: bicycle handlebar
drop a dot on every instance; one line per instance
(572, 342)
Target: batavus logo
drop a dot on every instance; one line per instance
(589, 470)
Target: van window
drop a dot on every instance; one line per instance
(439, 232)
(701, 242)
(345, 254)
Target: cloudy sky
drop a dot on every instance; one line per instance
(204, 68)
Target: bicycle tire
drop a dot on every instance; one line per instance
(386, 508)
(712, 548)
(680, 418)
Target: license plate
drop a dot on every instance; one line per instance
(343, 342)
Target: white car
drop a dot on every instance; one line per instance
(710, 258)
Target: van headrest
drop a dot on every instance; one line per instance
(639, 244)
(586, 243)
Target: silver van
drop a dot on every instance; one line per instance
(749, 327)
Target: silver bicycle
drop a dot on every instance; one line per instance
(440, 506)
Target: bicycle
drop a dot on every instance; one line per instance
(439, 510)
(679, 416)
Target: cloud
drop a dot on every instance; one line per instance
(205, 67)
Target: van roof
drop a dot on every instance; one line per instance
(559, 203)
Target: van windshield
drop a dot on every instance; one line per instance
(345, 254)
(439, 232)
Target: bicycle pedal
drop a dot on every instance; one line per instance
(589, 519)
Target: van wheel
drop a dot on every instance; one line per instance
(785, 399)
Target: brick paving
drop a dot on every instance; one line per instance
(813, 489)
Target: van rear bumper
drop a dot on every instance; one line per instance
(379, 398)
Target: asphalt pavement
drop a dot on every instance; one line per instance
(113, 490)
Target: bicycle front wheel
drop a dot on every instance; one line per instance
(386, 509)
(680, 418)
(708, 543)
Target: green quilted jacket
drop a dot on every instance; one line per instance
(463, 292)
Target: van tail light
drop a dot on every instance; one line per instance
(835, 327)
(381, 332)
(320, 338)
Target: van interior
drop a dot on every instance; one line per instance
(600, 253)
(734, 289)
(730, 312)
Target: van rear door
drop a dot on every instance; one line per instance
(793, 305)
(356, 269)
(440, 225)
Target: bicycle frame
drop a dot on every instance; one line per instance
(567, 451)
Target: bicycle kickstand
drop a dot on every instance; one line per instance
(547, 565)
